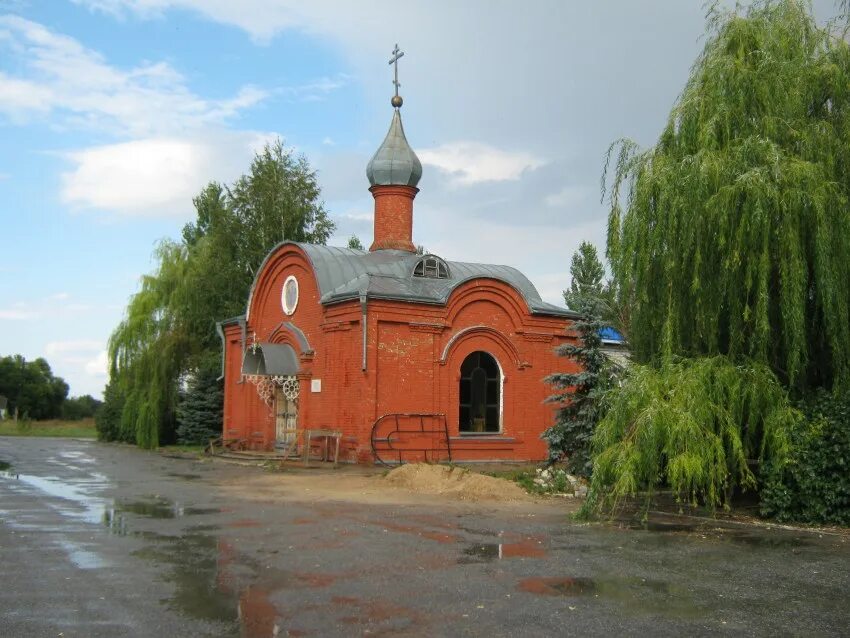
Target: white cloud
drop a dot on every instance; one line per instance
(64, 78)
(18, 314)
(261, 18)
(473, 162)
(156, 176)
(60, 296)
(316, 90)
(19, 97)
(72, 347)
(4, 176)
(98, 367)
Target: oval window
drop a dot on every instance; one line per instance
(289, 296)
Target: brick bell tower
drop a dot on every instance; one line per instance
(393, 172)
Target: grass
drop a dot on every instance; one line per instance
(83, 428)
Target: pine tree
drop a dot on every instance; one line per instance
(355, 243)
(587, 272)
(580, 393)
(199, 412)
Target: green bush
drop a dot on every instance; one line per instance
(107, 419)
(692, 426)
(814, 485)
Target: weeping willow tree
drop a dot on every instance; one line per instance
(168, 331)
(148, 349)
(690, 425)
(732, 235)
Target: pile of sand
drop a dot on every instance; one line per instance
(456, 482)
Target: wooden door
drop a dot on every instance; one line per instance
(286, 418)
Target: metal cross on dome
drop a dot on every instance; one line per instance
(397, 53)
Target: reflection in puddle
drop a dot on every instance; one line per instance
(188, 477)
(193, 570)
(486, 552)
(86, 506)
(634, 595)
(159, 508)
(768, 538)
(82, 558)
(611, 587)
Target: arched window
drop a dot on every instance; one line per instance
(480, 394)
(432, 267)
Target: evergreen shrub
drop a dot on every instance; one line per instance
(814, 485)
(199, 412)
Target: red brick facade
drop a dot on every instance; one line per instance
(413, 356)
(393, 217)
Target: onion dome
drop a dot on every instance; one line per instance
(394, 163)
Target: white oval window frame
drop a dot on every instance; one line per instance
(287, 310)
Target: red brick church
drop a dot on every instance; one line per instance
(408, 356)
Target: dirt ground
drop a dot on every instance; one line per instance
(370, 485)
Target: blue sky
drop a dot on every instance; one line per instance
(114, 113)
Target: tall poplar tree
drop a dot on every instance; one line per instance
(732, 234)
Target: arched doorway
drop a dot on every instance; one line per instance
(480, 394)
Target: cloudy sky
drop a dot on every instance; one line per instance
(114, 113)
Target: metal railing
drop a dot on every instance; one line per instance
(404, 436)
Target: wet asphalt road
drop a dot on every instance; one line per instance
(100, 540)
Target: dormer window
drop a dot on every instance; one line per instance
(432, 267)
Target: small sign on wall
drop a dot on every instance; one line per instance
(315, 385)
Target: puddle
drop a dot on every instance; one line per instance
(762, 538)
(84, 505)
(608, 587)
(488, 552)
(188, 477)
(160, 508)
(193, 569)
(257, 615)
(633, 595)
(199, 511)
(379, 616)
(669, 527)
(767, 539)
(82, 558)
(439, 537)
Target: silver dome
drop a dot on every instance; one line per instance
(394, 163)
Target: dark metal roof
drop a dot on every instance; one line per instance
(346, 273)
(273, 359)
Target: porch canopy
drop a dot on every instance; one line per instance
(270, 359)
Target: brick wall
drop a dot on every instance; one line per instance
(414, 353)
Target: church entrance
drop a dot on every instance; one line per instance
(480, 394)
(286, 418)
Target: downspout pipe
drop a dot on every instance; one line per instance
(363, 328)
(223, 348)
